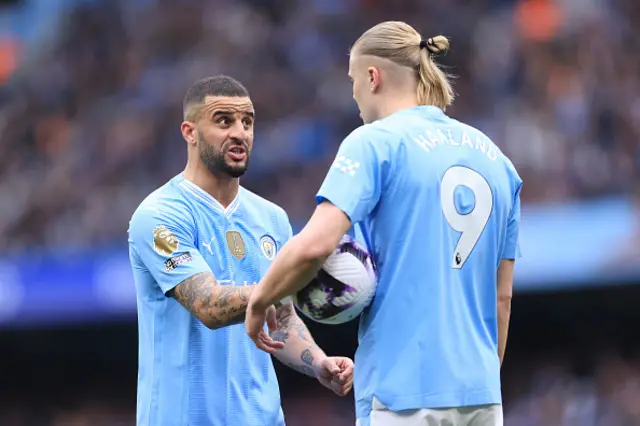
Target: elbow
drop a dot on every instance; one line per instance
(317, 252)
(212, 326)
(504, 305)
(210, 323)
(504, 299)
(312, 247)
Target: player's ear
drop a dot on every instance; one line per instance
(373, 74)
(188, 129)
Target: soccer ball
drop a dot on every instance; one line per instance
(343, 287)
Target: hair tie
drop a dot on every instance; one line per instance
(423, 43)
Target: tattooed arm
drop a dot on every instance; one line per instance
(215, 305)
(300, 352)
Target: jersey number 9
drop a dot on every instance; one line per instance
(471, 224)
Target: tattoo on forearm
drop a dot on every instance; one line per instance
(284, 317)
(280, 336)
(303, 332)
(215, 305)
(307, 357)
(307, 362)
(287, 323)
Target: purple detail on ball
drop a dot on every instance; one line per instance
(349, 245)
(332, 288)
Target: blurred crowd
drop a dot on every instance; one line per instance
(89, 118)
(543, 394)
(551, 394)
(89, 125)
(90, 113)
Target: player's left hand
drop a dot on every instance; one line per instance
(336, 373)
(254, 323)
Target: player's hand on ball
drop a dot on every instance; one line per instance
(254, 323)
(336, 373)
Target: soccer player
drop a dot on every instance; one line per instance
(439, 207)
(197, 246)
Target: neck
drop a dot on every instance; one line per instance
(221, 187)
(392, 104)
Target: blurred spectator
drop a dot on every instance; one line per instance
(90, 106)
(89, 120)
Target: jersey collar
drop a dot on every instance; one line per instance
(206, 198)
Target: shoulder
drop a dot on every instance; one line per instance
(380, 130)
(501, 156)
(512, 172)
(165, 206)
(475, 133)
(374, 140)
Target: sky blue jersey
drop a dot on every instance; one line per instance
(189, 374)
(438, 205)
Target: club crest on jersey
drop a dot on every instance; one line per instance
(268, 246)
(164, 242)
(236, 244)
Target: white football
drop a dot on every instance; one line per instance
(342, 289)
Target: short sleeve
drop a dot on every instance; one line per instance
(512, 246)
(354, 181)
(165, 245)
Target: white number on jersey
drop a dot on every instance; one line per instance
(472, 224)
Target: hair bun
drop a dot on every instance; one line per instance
(437, 45)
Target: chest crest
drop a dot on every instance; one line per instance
(235, 244)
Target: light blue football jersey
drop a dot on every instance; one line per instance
(438, 205)
(189, 374)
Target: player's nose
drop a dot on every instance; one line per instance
(239, 132)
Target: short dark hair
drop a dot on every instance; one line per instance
(218, 85)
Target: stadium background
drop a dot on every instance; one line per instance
(89, 124)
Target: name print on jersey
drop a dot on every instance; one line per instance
(430, 140)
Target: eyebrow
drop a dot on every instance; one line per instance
(231, 112)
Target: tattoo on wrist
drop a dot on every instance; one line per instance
(307, 363)
(302, 368)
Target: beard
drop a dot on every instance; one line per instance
(216, 161)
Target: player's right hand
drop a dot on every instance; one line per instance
(336, 373)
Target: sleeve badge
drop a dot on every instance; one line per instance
(164, 242)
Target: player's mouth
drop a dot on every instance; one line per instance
(237, 153)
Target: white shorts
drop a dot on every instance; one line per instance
(479, 415)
